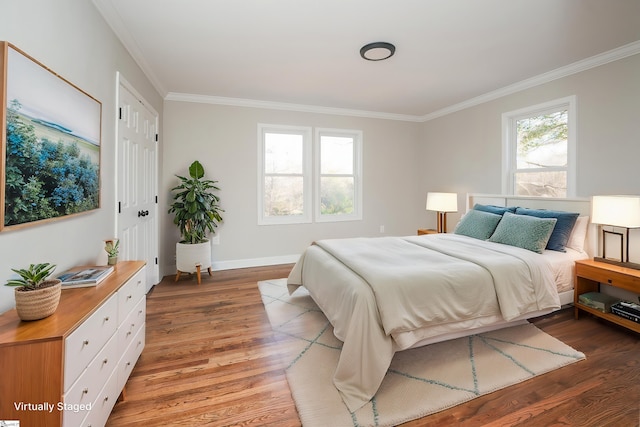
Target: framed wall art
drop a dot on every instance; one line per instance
(50, 151)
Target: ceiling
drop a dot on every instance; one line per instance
(304, 54)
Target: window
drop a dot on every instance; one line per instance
(338, 186)
(285, 174)
(539, 150)
(286, 190)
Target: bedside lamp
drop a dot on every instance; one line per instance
(616, 211)
(442, 203)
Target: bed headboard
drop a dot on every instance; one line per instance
(579, 205)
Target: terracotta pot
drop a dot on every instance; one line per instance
(38, 304)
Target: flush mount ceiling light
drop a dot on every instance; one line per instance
(377, 51)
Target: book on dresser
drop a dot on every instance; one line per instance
(85, 276)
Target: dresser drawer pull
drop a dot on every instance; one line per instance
(85, 391)
(85, 342)
(106, 398)
(129, 296)
(128, 333)
(106, 319)
(105, 361)
(128, 363)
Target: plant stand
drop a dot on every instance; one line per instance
(198, 275)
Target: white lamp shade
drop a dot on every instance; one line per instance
(620, 211)
(442, 202)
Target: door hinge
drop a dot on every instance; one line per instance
(156, 260)
(156, 199)
(120, 113)
(119, 207)
(156, 137)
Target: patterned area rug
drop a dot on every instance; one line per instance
(419, 382)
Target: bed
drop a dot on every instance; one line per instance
(388, 294)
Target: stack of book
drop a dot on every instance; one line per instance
(85, 276)
(628, 310)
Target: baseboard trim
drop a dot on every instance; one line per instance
(243, 263)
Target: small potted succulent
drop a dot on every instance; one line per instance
(37, 296)
(111, 247)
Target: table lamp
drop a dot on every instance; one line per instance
(442, 203)
(616, 211)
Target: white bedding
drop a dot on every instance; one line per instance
(388, 294)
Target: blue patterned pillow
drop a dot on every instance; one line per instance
(561, 232)
(524, 231)
(478, 224)
(493, 209)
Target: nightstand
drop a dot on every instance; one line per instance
(422, 231)
(589, 275)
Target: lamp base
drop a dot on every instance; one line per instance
(627, 264)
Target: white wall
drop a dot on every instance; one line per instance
(462, 151)
(224, 139)
(72, 39)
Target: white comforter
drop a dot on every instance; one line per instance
(371, 289)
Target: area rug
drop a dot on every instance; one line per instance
(419, 382)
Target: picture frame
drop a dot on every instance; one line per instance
(50, 147)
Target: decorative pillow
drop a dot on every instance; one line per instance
(562, 230)
(578, 234)
(478, 224)
(523, 231)
(499, 210)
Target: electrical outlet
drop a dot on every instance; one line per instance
(382, 229)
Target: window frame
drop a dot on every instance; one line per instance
(509, 142)
(306, 133)
(356, 135)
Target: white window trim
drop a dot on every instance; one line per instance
(357, 174)
(306, 133)
(509, 141)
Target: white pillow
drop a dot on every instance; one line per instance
(578, 234)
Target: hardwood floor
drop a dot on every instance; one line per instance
(211, 359)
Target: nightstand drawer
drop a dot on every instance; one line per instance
(608, 277)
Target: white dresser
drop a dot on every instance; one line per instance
(70, 368)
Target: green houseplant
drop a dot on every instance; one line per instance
(36, 296)
(111, 247)
(197, 213)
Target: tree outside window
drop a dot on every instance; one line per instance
(539, 150)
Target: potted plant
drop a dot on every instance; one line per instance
(111, 247)
(197, 213)
(37, 296)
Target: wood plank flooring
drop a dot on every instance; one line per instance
(211, 360)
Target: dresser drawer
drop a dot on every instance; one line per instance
(130, 357)
(102, 406)
(131, 325)
(130, 293)
(85, 390)
(83, 344)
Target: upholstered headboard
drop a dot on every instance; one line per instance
(581, 206)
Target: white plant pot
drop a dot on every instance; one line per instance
(188, 256)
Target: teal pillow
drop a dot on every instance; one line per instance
(523, 231)
(561, 232)
(478, 224)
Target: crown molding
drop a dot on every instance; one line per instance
(577, 67)
(114, 21)
(253, 103)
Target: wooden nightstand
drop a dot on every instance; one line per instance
(422, 231)
(589, 275)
